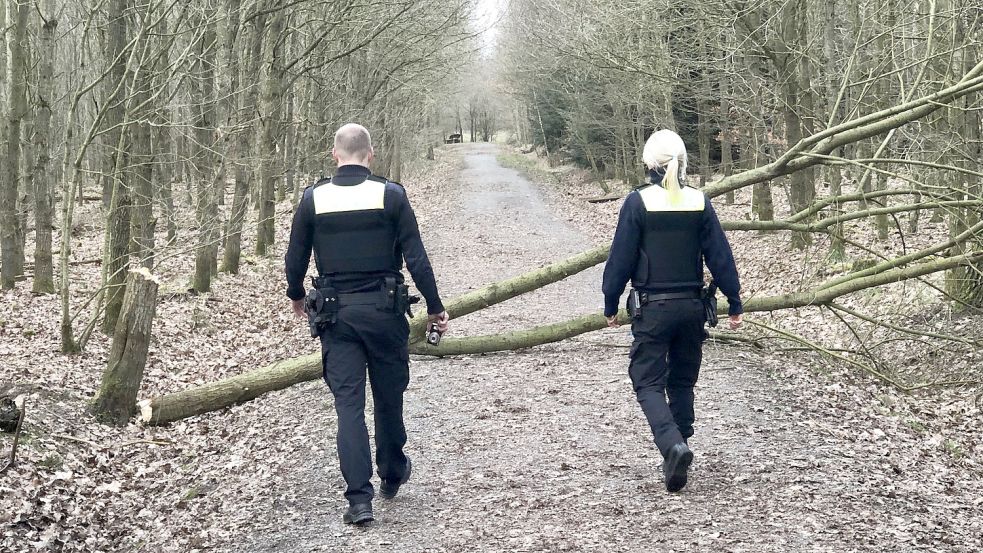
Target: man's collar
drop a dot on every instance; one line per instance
(353, 170)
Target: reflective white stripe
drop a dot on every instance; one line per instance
(657, 199)
(331, 198)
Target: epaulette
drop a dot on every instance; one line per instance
(384, 180)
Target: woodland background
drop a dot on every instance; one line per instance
(843, 140)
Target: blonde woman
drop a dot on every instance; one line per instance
(666, 232)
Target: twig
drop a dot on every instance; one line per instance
(110, 446)
(725, 337)
(136, 442)
(806, 348)
(837, 307)
(943, 384)
(13, 450)
(74, 439)
(871, 370)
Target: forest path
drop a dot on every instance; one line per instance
(546, 449)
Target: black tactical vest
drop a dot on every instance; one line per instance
(670, 255)
(352, 233)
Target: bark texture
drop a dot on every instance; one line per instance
(249, 385)
(11, 231)
(116, 401)
(43, 187)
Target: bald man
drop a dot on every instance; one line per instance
(360, 228)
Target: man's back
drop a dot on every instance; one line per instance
(360, 228)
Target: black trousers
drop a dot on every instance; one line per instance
(665, 362)
(366, 338)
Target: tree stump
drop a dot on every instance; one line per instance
(117, 398)
(9, 415)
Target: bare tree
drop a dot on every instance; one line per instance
(11, 230)
(43, 175)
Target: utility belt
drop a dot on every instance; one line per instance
(708, 296)
(323, 301)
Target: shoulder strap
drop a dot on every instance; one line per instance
(377, 178)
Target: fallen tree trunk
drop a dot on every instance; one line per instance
(508, 289)
(805, 153)
(230, 391)
(283, 374)
(247, 386)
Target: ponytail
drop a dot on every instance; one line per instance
(671, 181)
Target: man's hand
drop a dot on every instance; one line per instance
(613, 321)
(735, 321)
(298, 307)
(441, 319)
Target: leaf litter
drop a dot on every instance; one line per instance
(536, 450)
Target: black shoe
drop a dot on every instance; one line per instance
(358, 513)
(676, 465)
(388, 490)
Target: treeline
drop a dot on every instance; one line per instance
(749, 84)
(150, 105)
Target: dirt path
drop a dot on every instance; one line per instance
(546, 449)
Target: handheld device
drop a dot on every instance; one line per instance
(434, 334)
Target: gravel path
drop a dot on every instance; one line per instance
(546, 449)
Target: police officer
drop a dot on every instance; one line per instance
(666, 231)
(360, 228)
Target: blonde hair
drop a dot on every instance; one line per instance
(665, 150)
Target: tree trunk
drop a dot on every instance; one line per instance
(140, 168)
(233, 241)
(965, 284)
(240, 200)
(726, 136)
(116, 257)
(282, 374)
(43, 188)
(270, 109)
(762, 204)
(117, 397)
(396, 172)
(791, 74)
(114, 94)
(11, 252)
(69, 186)
(3, 69)
(703, 140)
(290, 154)
(163, 174)
(834, 109)
(162, 145)
(116, 194)
(206, 206)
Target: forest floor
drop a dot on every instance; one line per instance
(543, 449)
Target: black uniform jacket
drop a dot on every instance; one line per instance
(661, 246)
(359, 228)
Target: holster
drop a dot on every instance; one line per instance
(634, 305)
(321, 305)
(709, 298)
(404, 301)
(398, 298)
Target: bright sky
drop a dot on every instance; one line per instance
(487, 14)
